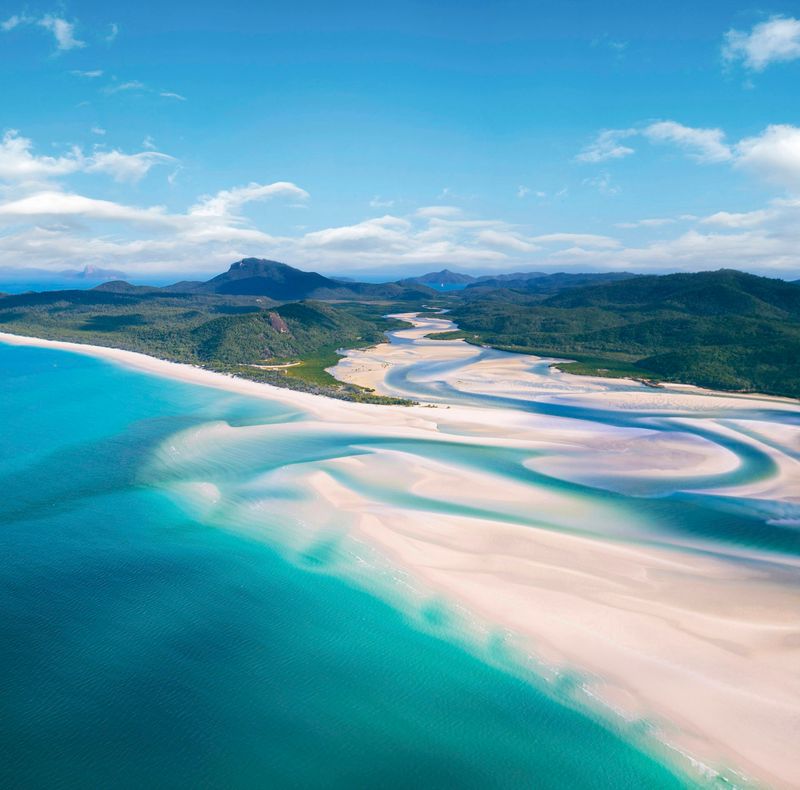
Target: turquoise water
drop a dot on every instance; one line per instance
(142, 645)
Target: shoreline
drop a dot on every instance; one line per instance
(565, 594)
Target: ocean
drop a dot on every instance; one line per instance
(148, 641)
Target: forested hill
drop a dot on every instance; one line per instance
(260, 277)
(723, 292)
(288, 344)
(723, 329)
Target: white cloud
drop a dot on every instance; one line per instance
(63, 31)
(774, 41)
(171, 95)
(607, 145)
(602, 183)
(48, 225)
(15, 21)
(17, 161)
(113, 32)
(127, 167)
(584, 239)
(704, 145)
(130, 85)
(774, 155)
(90, 75)
(226, 202)
(381, 233)
(523, 191)
(726, 219)
(379, 202)
(654, 222)
(98, 130)
(506, 241)
(65, 205)
(438, 211)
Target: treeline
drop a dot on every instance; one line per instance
(724, 329)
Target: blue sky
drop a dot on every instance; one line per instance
(363, 138)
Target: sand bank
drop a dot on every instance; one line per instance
(703, 644)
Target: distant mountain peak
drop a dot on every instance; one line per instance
(281, 282)
(90, 272)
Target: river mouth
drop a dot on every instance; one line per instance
(706, 485)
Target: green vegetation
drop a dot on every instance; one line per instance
(228, 334)
(724, 329)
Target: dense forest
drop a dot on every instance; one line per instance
(247, 336)
(724, 329)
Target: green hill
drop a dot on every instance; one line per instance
(249, 336)
(723, 329)
(260, 277)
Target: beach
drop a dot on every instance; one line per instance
(554, 510)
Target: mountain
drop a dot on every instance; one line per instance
(259, 277)
(249, 336)
(723, 329)
(723, 292)
(92, 273)
(122, 287)
(538, 283)
(511, 276)
(444, 280)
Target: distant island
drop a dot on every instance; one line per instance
(268, 321)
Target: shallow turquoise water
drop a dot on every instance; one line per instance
(142, 647)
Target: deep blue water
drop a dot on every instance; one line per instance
(140, 647)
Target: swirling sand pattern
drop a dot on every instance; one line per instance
(648, 538)
(645, 538)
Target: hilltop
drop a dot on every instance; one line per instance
(261, 277)
(723, 329)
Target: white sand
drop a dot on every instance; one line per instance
(707, 647)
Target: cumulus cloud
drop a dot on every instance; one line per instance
(653, 222)
(773, 155)
(226, 202)
(62, 30)
(45, 223)
(15, 21)
(379, 202)
(505, 240)
(727, 219)
(127, 167)
(438, 211)
(705, 145)
(774, 41)
(581, 239)
(384, 233)
(607, 145)
(54, 204)
(19, 163)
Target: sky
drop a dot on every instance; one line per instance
(388, 139)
